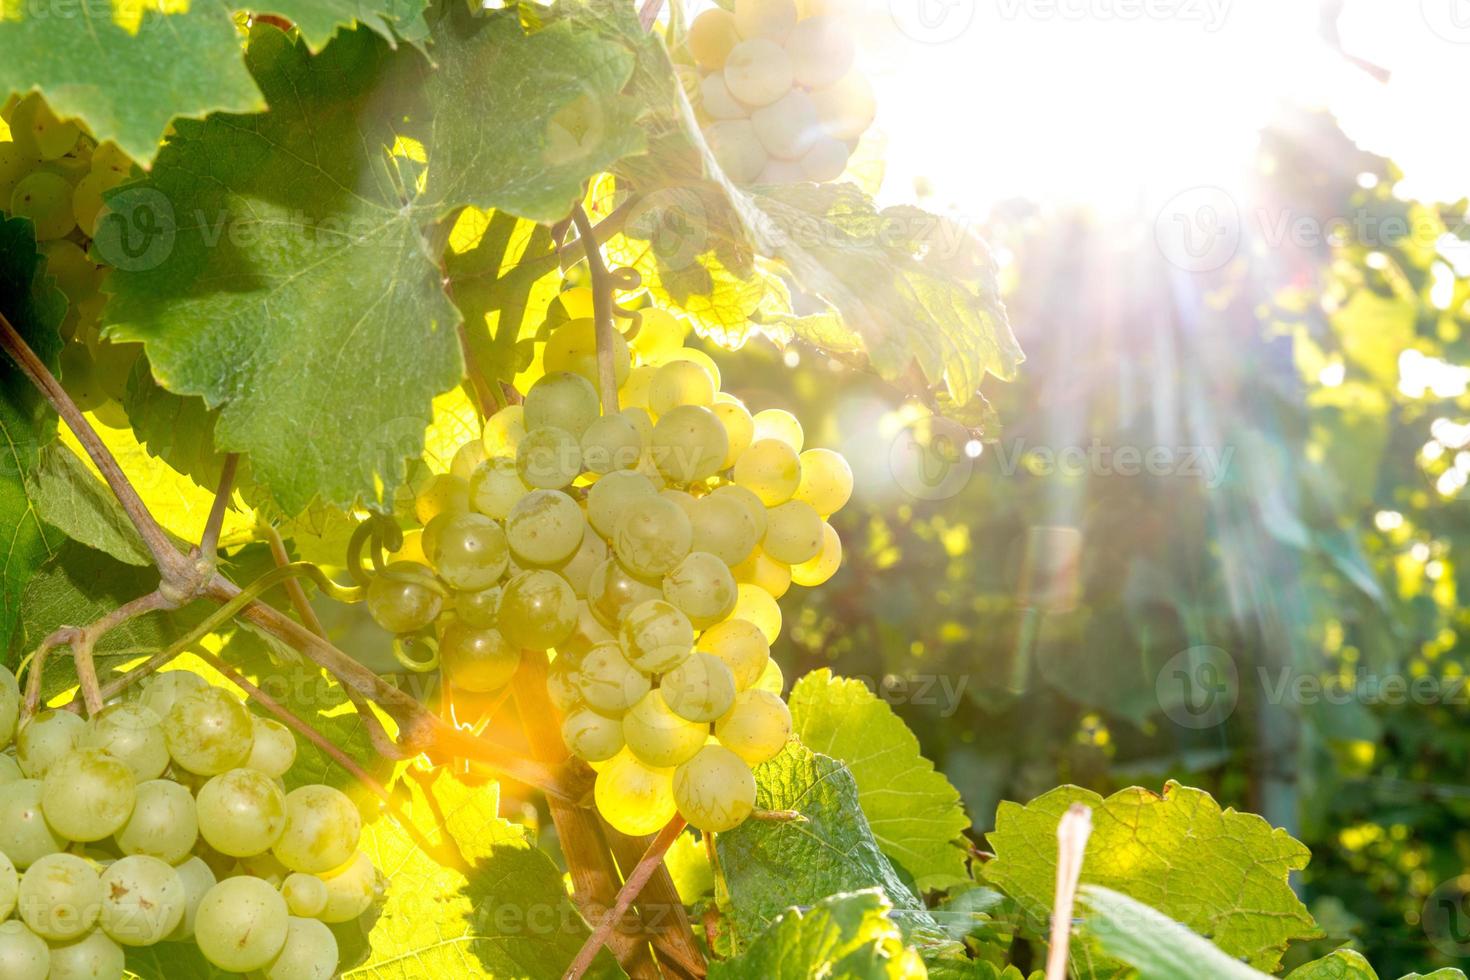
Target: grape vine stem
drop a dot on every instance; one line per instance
(652, 860)
(1072, 833)
(82, 639)
(209, 540)
(602, 310)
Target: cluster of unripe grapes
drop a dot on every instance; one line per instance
(779, 97)
(164, 819)
(646, 548)
(54, 174)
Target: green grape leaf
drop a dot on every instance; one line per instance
(318, 20)
(285, 285)
(177, 429)
(1342, 964)
(127, 75)
(495, 908)
(913, 811)
(69, 498)
(1153, 944)
(34, 307)
(847, 935)
(554, 97)
(689, 867)
(833, 846)
(1446, 973)
(1221, 873)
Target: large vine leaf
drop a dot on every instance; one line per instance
(318, 20)
(913, 811)
(69, 498)
(35, 308)
(846, 935)
(288, 283)
(1154, 945)
(1221, 873)
(126, 70)
(519, 121)
(502, 911)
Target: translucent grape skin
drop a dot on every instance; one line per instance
(322, 830)
(657, 735)
(60, 897)
(826, 481)
(273, 749)
(162, 691)
(472, 552)
(93, 957)
(23, 954)
(164, 822)
(209, 732)
(573, 347)
(711, 36)
(689, 443)
(130, 733)
(549, 458)
(197, 879)
(305, 895)
(702, 588)
(25, 837)
(309, 953)
(822, 50)
(656, 636)
(824, 565)
(613, 590)
(635, 798)
(652, 535)
(770, 469)
(591, 736)
(765, 18)
(87, 795)
(9, 884)
(45, 198)
(241, 812)
(538, 609)
(350, 890)
(143, 900)
(444, 493)
(714, 790)
(756, 727)
(611, 443)
(403, 597)
(758, 71)
(701, 689)
(722, 526)
(545, 527)
(793, 532)
(562, 399)
(45, 739)
(241, 924)
(496, 486)
(611, 495)
(480, 660)
(608, 682)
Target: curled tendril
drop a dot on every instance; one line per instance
(383, 534)
(625, 278)
(404, 644)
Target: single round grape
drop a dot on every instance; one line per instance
(657, 735)
(793, 532)
(25, 837)
(549, 458)
(163, 690)
(610, 496)
(198, 879)
(611, 443)
(467, 459)
(576, 302)
(660, 333)
(477, 608)
(273, 749)
(779, 424)
(845, 109)
(591, 736)
(130, 733)
(10, 770)
(787, 128)
(722, 526)
(9, 883)
(87, 795)
(608, 682)
(350, 890)
(44, 198)
(74, 273)
(562, 400)
(756, 605)
(538, 609)
(680, 383)
(209, 732)
(38, 128)
(738, 424)
(309, 953)
(23, 954)
(504, 431)
(572, 347)
(241, 812)
(743, 648)
(695, 356)
(652, 536)
(93, 957)
(656, 636)
(59, 897)
(717, 102)
(545, 527)
(86, 200)
(634, 392)
(403, 598)
(711, 36)
(825, 161)
(143, 900)
(472, 552)
(496, 487)
(772, 19)
(756, 727)
(305, 895)
(824, 565)
(9, 706)
(429, 536)
(758, 71)
(479, 660)
(164, 822)
(443, 493)
(635, 798)
(826, 481)
(714, 790)
(641, 422)
(770, 469)
(578, 569)
(701, 689)
(689, 443)
(322, 830)
(45, 739)
(241, 924)
(763, 572)
(614, 589)
(822, 50)
(702, 588)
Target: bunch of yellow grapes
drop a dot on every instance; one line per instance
(779, 98)
(54, 174)
(646, 548)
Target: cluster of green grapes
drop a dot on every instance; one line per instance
(54, 174)
(646, 548)
(163, 819)
(780, 99)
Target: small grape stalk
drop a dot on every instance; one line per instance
(644, 550)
